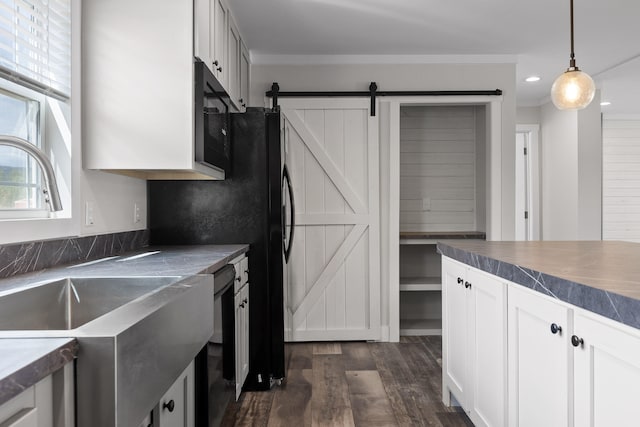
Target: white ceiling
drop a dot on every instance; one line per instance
(533, 33)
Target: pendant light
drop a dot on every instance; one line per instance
(573, 89)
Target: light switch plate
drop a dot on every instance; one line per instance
(88, 214)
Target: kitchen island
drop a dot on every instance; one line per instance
(542, 333)
(599, 276)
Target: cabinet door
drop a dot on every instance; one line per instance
(245, 64)
(487, 349)
(201, 36)
(244, 365)
(455, 341)
(177, 406)
(219, 20)
(31, 408)
(241, 337)
(234, 62)
(540, 361)
(606, 373)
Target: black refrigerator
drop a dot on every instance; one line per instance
(253, 205)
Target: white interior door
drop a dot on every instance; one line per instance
(333, 286)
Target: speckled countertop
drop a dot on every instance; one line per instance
(599, 276)
(26, 361)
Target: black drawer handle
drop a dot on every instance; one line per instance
(460, 280)
(577, 341)
(237, 279)
(467, 285)
(170, 405)
(556, 329)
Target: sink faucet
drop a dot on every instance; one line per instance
(50, 190)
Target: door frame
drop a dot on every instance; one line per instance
(493, 106)
(532, 143)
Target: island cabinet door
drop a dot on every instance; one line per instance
(540, 360)
(455, 342)
(607, 372)
(487, 349)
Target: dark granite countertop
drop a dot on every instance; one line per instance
(150, 261)
(440, 235)
(25, 361)
(599, 276)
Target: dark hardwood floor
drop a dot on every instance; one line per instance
(354, 384)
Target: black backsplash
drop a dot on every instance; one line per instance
(20, 258)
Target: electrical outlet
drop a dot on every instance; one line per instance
(88, 214)
(136, 213)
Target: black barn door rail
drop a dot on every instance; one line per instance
(373, 92)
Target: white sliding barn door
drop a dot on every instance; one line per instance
(331, 151)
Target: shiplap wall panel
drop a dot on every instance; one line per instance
(621, 180)
(437, 168)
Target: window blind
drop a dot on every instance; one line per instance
(35, 45)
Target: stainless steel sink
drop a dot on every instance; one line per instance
(70, 303)
(136, 335)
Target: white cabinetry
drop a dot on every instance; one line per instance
(177, 406)
(606, 372)
(540, 360)
(201, 35)
(241, 302)
(138, 88)
(234, 62)
(219, 22)
(474, 342)
(245, 64)
(37, 407)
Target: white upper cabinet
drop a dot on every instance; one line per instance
(201, 36)
(219, 35)
(138, 89)
(224, 52)
(234, 62)
(245, 64)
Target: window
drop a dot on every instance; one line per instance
(20, 182)
(35, 63)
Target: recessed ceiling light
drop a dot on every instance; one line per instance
(605, 103)
(532, 79)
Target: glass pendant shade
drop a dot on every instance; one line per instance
(573, 90)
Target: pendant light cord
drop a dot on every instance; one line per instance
(572, 59)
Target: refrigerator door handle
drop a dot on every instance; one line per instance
(292, 211)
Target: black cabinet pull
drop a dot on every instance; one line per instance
(460, 280)
(219, 69)
(237, 279)
(467, 285)
(576, 341)
(555, 328)
(170, 405)
(215, 62)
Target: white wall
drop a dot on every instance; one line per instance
(528, 115)
(571, 170)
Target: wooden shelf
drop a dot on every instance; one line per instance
(412, 327)
(420, 283)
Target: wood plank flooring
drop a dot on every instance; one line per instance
(353, 384)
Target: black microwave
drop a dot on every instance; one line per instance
(212, 130)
